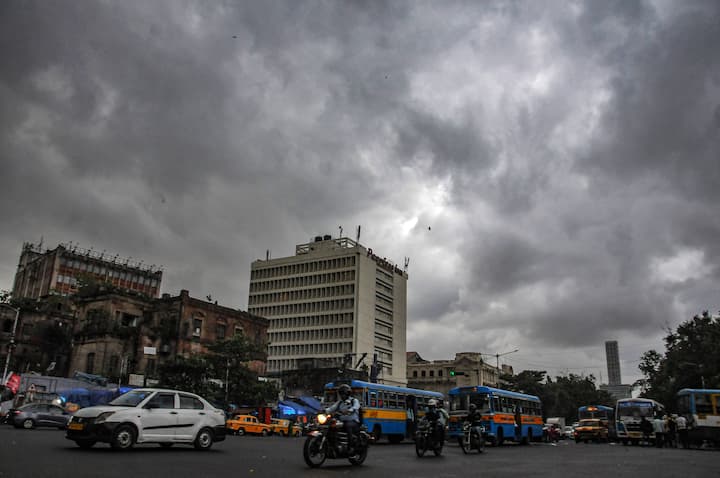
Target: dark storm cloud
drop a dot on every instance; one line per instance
(565, 155)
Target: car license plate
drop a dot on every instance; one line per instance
(75, 426)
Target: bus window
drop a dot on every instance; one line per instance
(380, 400)
(703, 404)
(684, 404)
(373, 398)
(390, 400)
(482, 402)
(496, 404)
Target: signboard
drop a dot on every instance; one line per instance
(150, 350)
(136, 380)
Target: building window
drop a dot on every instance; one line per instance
(440, 373)
(239, 330)
(197, 327)
(220, 331)
(414, 373)
(90, 365)
(422, 374)
(113, 365)
(432, 373)
(150, 368)
(128, 320)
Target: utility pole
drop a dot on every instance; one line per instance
(11, 344)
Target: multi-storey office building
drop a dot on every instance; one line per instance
(57, 271)
(333, 300)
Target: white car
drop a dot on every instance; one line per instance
(149, 415)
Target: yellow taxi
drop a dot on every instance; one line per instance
(591, 429)
(242, 424)
(280, 426)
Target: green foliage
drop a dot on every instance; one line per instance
(227, 362)
(692, 357)
(562, 397)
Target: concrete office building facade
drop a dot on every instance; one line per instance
(334, 301)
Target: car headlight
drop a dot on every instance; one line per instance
(103, 417)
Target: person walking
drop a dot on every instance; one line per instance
(646, 428)
(659, 429)
(670, 431)
(682, 429)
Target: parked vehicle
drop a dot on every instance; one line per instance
(280, 426)
(327, 439)
(242, 424)
(569, 432)
(39, 415)
(149, 415)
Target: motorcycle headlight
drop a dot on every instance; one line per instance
(103, 417)
(322, 418)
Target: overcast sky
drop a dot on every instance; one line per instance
(551, 169)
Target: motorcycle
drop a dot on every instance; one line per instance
(425, 439)
(327, 439)
(470, 440)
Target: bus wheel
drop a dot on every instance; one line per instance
(394, 439)
(377, 433)
(500, 437)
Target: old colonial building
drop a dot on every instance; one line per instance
(468, 368)
(42, 272)
(118, 334)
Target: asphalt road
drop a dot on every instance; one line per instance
(46, 453)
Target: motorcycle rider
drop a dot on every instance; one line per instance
(474, 418)
(436, 419)
(348, 410)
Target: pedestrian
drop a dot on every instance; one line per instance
(682, 431)
(291, 421)
(646, 428)
(659, 428)
(670, 431)
(518, 423)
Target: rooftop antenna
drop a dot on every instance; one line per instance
(407, 263)
(358, 235)
(267, 254)
(340, 227)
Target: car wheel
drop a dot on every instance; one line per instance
(240, 431)
(297, 434)
(204, 439)
(85, 444)
(264, 433)
(123, 438)
(28, 423)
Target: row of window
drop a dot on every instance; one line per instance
(303, 281)
(383, 314)
(383, 328)
(303, 294)
(308, 335)
(303, 268)
(311, 321)
(197, 329)
(105, 271)
(303, 308)
(311, 350)
(292, 364)
(383, 341)
(383, 301)
(383, 287)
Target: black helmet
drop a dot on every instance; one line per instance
(473, 407)
(344, 391)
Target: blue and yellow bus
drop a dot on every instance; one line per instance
(701, 409)
(629, 413)
(501, 411)
(386, 410)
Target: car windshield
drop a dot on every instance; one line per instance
(130, 399)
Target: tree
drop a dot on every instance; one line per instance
(562, 397)
(691, 360)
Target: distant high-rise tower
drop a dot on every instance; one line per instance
(613, 362)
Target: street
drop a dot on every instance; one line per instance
(46, 453)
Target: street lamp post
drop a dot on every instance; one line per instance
(12, 340)
(497, 359)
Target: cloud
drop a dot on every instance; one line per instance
(550, 172)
